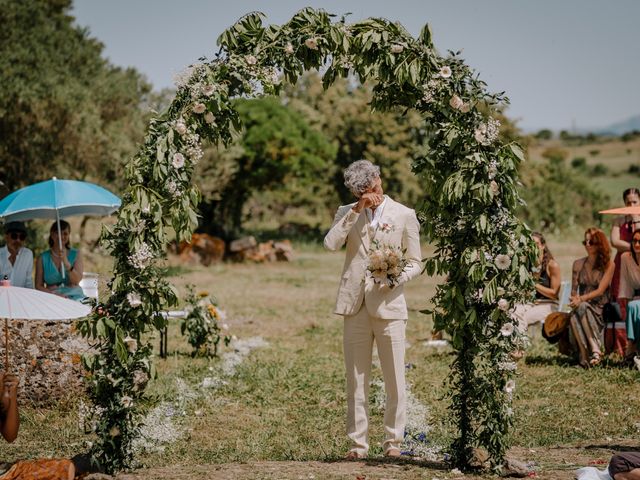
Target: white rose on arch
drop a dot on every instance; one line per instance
(507, 329)
(456, 102)
(178, 160)
(199, 107)
(502, 261)
(181, 127)
(251, 60)
(397, 48)
(503, 304)
(445, 72)
(311, 43)
(510, 386)
(209, 118)
(288, 49)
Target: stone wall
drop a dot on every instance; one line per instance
(46, 357)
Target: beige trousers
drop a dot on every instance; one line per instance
(532, 313)
(360, 330)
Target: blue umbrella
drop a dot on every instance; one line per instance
(55, 199)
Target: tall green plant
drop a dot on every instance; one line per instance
(467, 211)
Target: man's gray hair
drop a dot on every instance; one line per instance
(360, 175)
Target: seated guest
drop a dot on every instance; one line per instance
(547, 279)
(629, 291)
(625, 466)
(589, 293)
(16, 260)
(41, 469)
(49, 266)
(621, 232)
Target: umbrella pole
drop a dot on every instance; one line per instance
(6, 345)
(60, 243)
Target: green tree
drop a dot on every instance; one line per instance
(64, 110)
(390, 139)
(278, 151)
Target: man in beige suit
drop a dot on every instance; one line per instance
(373, 311)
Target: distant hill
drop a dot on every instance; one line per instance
(621, 128)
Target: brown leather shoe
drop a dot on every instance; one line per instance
(353, 455)
(392, 453)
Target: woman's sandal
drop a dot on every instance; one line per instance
(596, 358)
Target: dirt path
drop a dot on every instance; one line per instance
(557, 463)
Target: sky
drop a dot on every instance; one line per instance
(564, 64)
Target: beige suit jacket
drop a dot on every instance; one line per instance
(403, 230)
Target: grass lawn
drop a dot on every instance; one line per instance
(281, 415)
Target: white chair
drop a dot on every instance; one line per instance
(89, 284)
(563, 296)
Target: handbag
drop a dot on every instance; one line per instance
(555, 324)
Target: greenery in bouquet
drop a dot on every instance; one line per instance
(386, 263)
(202, 324)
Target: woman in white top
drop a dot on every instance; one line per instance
(16, 260)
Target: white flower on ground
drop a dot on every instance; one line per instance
(503, 261)
(397, 48)
(199, 107)
(510, 386)
(134, 299)
(311, 43)
(503, 305)
(509, 412)
(209, 118)
(507, 329)
(114, 431)
(181, 127)
(208, 89)
(178, 160)
(288, 49)
(494, 187)
(126, 401)
(251, 60)
(131, 344)
(456, 102)
(445, 72)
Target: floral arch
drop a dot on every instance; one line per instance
(470, 180)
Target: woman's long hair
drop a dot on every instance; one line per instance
(546, 253)
(603, 250)
(64, 225)
(633, 252)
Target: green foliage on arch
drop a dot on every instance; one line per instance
(467, 210)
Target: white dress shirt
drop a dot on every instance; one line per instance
(374, 217)
(20, 274)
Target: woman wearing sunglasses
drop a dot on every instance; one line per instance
(589, 293)
(16, 260)
(630, 292)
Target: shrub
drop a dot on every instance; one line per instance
(594, 153)
(579, 162)
(600, 169)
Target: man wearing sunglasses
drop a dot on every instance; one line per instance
(16, 260)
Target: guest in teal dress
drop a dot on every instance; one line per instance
(48, 267)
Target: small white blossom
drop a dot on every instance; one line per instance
(199, 107)
(178, 160)
(134, 299)
(131, 344)
(209, 118)
(503, 261)
(397, 48)
(510, 386)
(114, 431)
(487, 133)
(445, 72)
(208, 89)
(251, 60)
(508, 366)
(288, 49)
(126, 401)
(507, 329)
(503, 305)
(494, 187)
(311, 43)
(141, 258)
(172, 188)
(181, 127)
(509, 411)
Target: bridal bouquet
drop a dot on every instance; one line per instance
(386, 263)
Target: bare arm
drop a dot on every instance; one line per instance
(618, 243)
(9, 402)
(553, 270)
(75, 271)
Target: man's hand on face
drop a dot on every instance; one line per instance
(368, 200)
